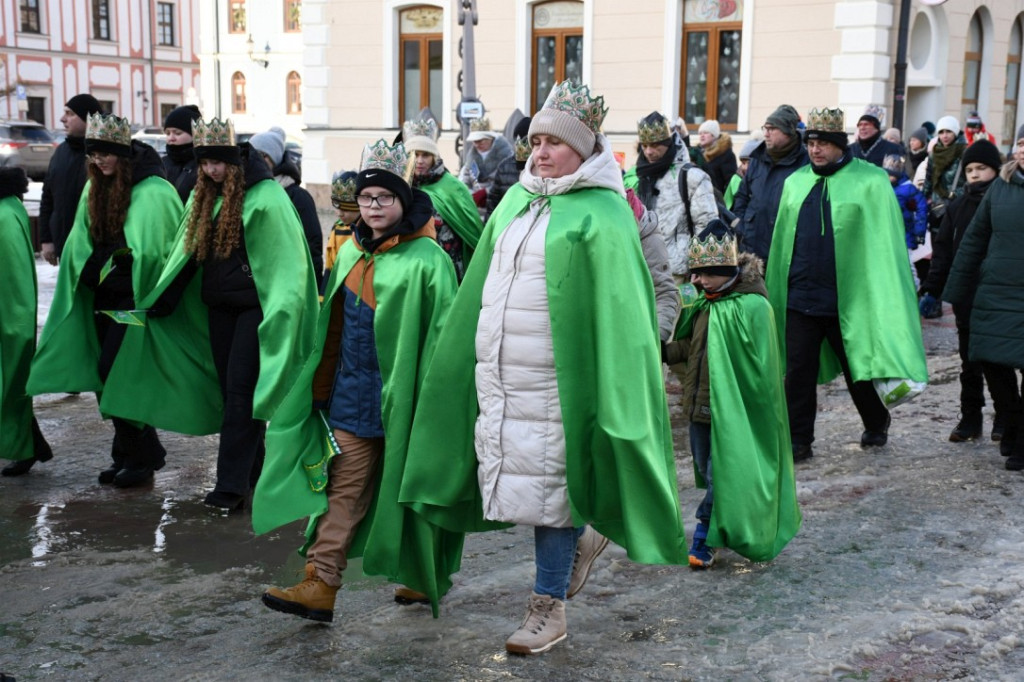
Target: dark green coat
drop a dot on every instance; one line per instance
(989, 267)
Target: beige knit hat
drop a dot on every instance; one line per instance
(571, 115)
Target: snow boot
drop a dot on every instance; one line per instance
(312, 598)
(876, 439)
(968, 428)
(588, 548)
(542, 628)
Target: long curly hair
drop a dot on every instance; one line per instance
(205, 237)
(109, 198)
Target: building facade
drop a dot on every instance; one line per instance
(252, 56)
(140, 58)
(369, 64)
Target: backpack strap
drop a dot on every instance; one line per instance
(684, 192)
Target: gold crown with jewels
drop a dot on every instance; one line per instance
(108, 128)
(343, 187)
(380, 155)
(712, 251)
(480, 125)
(826, 120)
(421, 128)
(215, 133)
(576, 101)
(653, 128)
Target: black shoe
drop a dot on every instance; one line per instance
(223, 500)
(22, 466)
(108, 475)
(802, 453)
(132, 477)
(969, 427)
(876, 439)
(1015, 462)
(998, 428)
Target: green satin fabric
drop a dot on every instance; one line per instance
(451, 198)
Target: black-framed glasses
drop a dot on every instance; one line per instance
(383, 200)
(768, 128)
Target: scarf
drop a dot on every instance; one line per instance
(649, 173)
(779, 154)
(180, 154)
(942, 158)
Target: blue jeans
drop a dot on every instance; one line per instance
(700, 448)
(554, 551)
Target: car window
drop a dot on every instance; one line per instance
(31, 134)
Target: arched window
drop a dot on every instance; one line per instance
(710, 75)
(972, 66)
(1012, 98)
(421, 49)
(557, 47)
(237, 93)
(293, 94)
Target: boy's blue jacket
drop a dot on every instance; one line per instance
(755, 512)
(914, 209)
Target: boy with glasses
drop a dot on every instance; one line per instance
(336, 449)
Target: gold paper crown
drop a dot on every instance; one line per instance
(421, 128)
(523, 149)
(380, 155)
(576, 101)
(826, 120)
(711, 252)
(653, 128)
(343, 187)
(108, 128)
(480, 125)
(216, 133)
(876, 111)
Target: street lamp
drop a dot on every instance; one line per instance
(249, 44)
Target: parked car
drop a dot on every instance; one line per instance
(157, 142)
(26, 144)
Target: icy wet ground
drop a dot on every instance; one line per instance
(908, 567)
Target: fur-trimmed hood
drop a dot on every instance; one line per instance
(751, 280)
(1008, 170)
(721, 145)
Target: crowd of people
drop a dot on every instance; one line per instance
(442, 363)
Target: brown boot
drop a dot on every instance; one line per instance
(406, 596)
(312, 598)
(543, 627)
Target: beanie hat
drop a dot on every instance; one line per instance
(785, 118)
(873, 114)
(480, 129)
(182, 117)
(343, 190)
(383, 166)
(921, 135)
(654, 129)
(710, 126)
(748, 148)
(948, 123)
(827, 125)
(713, 250)
(270, 143)
(929, 127)
(571, 115)
(108, 134)
(421, 136)
(521, 141)
(982, 151)
(216, 141)
(83, 105)
(894, 164)
(1020, 133)
(973, 120)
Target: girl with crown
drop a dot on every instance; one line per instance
(122, 235)
(555, 329)
(336, 449)
(224, 358)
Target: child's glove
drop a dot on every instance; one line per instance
(929, 307)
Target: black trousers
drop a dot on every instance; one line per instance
(1001, 380)
(236, 354)
(132, 448)
(804, 336)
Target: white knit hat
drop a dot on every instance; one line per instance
(710, 126)
(948, 123)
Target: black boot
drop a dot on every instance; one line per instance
(872, 438)
(145, 455)
(41, 452)
(998, 427)
(969, 427)
(117, 456)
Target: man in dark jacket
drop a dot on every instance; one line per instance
(757, 200)
(65, 178)
(180, 163)
(870, 144)
(271, 145)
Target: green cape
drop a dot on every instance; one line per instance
(755, 512)
(173, 354)
(414, 283)
(17, 329)
(67, 359)
(878, 312)
(620, 466)
(451, 199)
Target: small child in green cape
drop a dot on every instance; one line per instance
(733, 397)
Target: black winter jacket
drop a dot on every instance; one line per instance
(959, 214)
(877, 149)
(182, 168)
(756, 203)
(62, 187)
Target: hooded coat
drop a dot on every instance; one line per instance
(485, 164)
(720, 162)
(62, 188)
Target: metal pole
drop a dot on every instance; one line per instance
(900, 68)
(468, 65)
